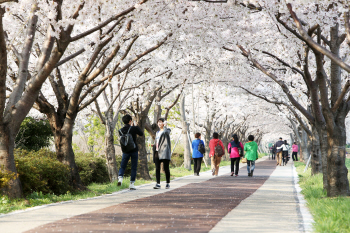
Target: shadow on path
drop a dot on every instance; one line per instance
(196, 207)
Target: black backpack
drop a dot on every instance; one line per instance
(201, 148)
(126, 141)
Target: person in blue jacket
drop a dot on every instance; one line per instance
(196, 155)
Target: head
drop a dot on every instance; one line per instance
(285, 142)
(295, 143)
(127, 119)
(160, 123)
(250, 138)
(215, 135)
(197, 135)
(235, 137)
(280, 139)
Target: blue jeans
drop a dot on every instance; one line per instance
(252, 163)
(125, 159)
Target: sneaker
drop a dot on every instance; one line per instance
(213, 171)
(251, 173)
(167, 186)
(197, 174)
(132, 186)
(232, 173)
(120, 181)
(236, 175)
(157, 186)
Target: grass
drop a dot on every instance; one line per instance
(330, 214)
(36, 199)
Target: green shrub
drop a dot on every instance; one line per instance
(5, 178)
(40, 171)
(34, 134)
(92, 169)
(177, 160)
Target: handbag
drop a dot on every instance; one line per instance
(218, 150)
(201, 148)
(244, 160)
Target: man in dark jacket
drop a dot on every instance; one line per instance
(132, 129)
(278, 146)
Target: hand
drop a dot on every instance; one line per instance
(135, 123)
(165, 123)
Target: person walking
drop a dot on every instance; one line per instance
(233, 150)
(196, 154)
(273, 152)
(295, 150)
(215, 159)
(285, 149)
(251, 149)
(278, 146)
(133, 129)
(162, 152)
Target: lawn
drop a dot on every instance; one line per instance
(330, 214)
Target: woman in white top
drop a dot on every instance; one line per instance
(285, 149)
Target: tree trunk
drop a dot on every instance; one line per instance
(7, 162)
(65, 154)
(110, 150)
(207, 140)
(141, 144)
(316, 165)
(323, 149)
(304, 146)
(337, 173)
(185, 139)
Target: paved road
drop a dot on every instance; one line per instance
(266, 202)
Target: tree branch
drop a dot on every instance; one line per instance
(3, 65)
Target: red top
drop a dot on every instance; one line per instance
(295, 148)
(212, 144)
(234, 150)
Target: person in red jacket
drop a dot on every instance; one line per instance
(215, 160)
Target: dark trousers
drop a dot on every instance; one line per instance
(295, 156)
(235, 163)
(166, 169)
(197, 162)
(273, 155)
(285, 157)
(125, 159)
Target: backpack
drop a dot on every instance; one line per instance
(201, 148)
(127, 142)
(218, 150)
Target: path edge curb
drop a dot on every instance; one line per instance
(304, 211)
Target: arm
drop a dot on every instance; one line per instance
(138, 131)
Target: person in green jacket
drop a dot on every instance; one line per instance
(251, 149)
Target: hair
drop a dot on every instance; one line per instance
(235, 137)
(280, 138)
(250, 138)
(197, 135)
(160, 119)
(215, 135)
(295, 142)
(285, 141)
(126, 119)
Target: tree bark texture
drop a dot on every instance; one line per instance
(185, 139)
(110, 150)
(316, 159)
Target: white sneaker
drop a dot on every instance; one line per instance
(132, 186)
(120, 181)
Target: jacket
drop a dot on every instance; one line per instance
(212, 144)
(234, 151)
(164, 146)
(195, 153)
(251, 149)
(295, 148)
(135, 130)
(285, 147)
(279, 144)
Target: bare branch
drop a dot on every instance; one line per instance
(103, 120)
(341, 96)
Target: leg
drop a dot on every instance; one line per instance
(157, 162)
(217, 165)
(237, 165)
(279, 155)
(166, 170)
(134, 160)
(199, 165)
(232, 165)
(248, 167)
(195, 161)
(296, 156)
(253, 166)
(212, 163)
(125, 160)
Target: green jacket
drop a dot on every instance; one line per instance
(251, 150)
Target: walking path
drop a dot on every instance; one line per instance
(267, 202)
